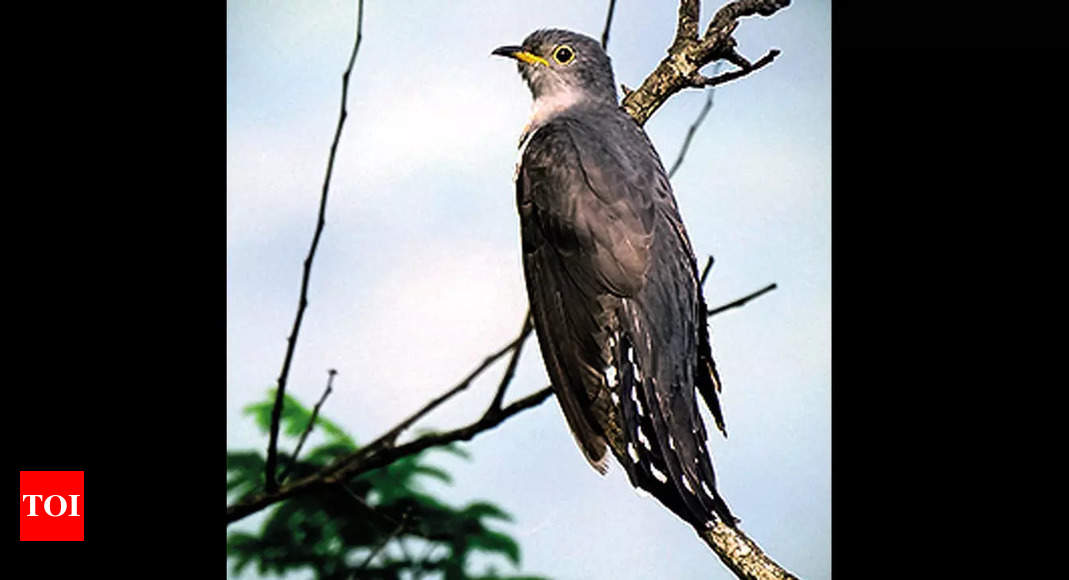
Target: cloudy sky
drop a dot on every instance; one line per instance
(418, 275)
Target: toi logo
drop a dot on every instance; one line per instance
(51, 506)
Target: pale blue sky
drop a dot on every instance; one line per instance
(418, 274)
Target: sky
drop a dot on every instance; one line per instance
(418, 275)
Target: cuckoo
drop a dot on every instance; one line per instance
(612, 280)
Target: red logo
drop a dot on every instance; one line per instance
(52, 506)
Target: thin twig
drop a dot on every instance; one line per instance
(276, 413)
(698, 80)
(694, 126)
(390, 437)
(510, 370)
(311, 424)
(743, 300)
(705, 271)
(608, 24)
(370, 508)
(382, 544)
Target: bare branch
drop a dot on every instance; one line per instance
(390, 438)
(311, 424)
(705, 270)
(689, 54)
(740, 8)
(377, 455)
(694, 126)
(276, 412)
(743, 300)
(385, 540)
(687, 26)
(741, 554)
(698, 80)
(608, 25)
(510, 370)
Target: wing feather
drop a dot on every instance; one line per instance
(613, 285)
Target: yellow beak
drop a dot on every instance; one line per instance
(519, 53)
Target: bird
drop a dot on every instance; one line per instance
(612, 280)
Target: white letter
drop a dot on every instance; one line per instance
(33, 504)
(48, 502)
(74, 506)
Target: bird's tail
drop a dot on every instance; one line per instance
(707, 379)
(656, 455)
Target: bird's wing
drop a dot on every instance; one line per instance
(613, 287)
(582, 253)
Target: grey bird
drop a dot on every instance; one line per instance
(612, 280)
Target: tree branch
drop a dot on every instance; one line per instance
(743, 300)
(383, 450)
(688, 54)
(705, 271)
(276, 412)
(694, 126)
(698, 80)
(382, 544)
(510, 370)
(608, 25)
(378, 455)
(741, 554)
(311, 424)
(390, 438)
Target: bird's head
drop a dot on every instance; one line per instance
(564, 66)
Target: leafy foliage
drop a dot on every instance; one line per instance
(380, 525)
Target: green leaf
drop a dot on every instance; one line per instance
(323, 531)
(482, 509)
(244, 472)
(435, 472)
(243, 548)
(292, 421)
(491, 541)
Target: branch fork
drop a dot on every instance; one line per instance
(688, 54)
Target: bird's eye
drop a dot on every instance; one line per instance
(563, 55)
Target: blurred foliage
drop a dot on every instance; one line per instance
(381, 525)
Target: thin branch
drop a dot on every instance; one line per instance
(311, 424)
(698, 80)
(739, 8)
(375, 458)
(510, 370)
(276, 412)
(705, 270)
(694, 126)
(743, 300)
(608, 24)
(390, 437)
(382, 544)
